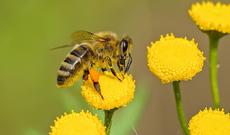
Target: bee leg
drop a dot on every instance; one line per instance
(109, 62)
(103, 69)
(130, 60)
(114, 73)
(120, 67)
(97, 87)
(94, 80)
(85, 75)
(121, 63)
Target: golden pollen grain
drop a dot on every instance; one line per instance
(210, 122)
(83, 123)
(115, 93)
(174, 59)
(211, 17)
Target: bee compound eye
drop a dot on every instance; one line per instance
(124, 45)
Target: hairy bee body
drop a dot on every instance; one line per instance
(72, 67)
(88, 54)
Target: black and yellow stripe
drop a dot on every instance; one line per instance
(73, 65)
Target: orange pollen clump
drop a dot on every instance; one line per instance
(94, 75)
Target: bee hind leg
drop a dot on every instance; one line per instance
(97, 87)
(86, 74)
(95, 82)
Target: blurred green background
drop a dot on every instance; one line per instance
(29, 99)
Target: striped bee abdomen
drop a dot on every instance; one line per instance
(73, 66)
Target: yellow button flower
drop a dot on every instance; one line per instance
(115, 93)
(211, 17)
(83, 123)
(210, 122)
(174, 59)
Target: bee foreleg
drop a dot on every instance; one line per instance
(109, 63)
(130, 60)
(120, 67)
(121, 63)
(114, 73)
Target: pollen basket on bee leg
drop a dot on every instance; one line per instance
(94, 75)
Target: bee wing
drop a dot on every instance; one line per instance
(59, 47)
(81, 36)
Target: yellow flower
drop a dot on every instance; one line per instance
(115, 93)
(174, 59)
(210, 122)
(211, 17)
(83, 123)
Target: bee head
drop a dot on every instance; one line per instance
(124, 48)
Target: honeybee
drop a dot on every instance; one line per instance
(102, 50)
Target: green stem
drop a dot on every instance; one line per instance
(108, 120)
(179, 106)
(213, 45)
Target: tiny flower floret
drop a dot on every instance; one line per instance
(211, 17)
(83, 123)
(174, 59)
(210, 122)
(115, 93)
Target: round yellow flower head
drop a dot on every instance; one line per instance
(174, 59)
(211, 17)
(115, 93)
(83, 123)
(210, 122)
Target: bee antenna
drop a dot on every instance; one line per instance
(59, 47)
